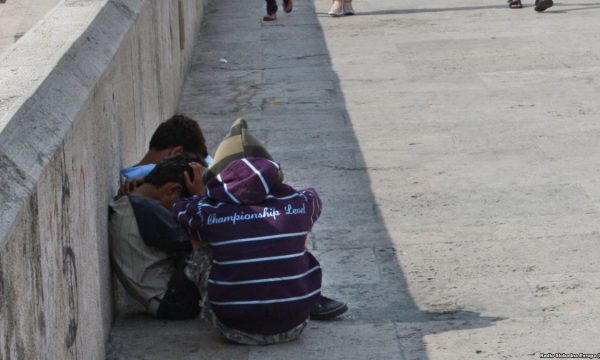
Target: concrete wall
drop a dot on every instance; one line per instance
(80, 95)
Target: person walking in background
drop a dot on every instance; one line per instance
(341, 8)
(540, 5)
(288, 5)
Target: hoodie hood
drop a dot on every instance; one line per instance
(238, 144)
(244, 181)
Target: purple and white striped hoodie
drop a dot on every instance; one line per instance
(263, 280)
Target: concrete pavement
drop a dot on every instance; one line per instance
(454, 148)
(18, 16)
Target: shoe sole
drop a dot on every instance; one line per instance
(330, 315)
(543, 5)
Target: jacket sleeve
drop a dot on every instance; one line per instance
(157, 228)
(313, 203)
(188, 213)
(166, 237)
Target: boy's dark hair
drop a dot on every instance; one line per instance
(172, 169)
(179, 130)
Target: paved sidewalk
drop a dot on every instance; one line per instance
(455, 147)
(19, 16)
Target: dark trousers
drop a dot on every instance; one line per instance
(182, 300)
(271, 6)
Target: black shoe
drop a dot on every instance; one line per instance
(515, 4)
(541, 5)
(327, 309)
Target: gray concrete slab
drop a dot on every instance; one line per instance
(19, 16)
(453, 146)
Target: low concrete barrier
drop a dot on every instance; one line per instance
(80, 94)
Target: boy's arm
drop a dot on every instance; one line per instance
(313, 203)
(187, 211)
(168, 238)
(128, 186)
(188, 214)
(157, 228)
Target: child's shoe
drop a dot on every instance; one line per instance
(327, 309)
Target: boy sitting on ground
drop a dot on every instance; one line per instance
(148, 249)
(264, 284)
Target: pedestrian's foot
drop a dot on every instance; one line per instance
(348, 10)
(288, 5)
(327, 309)
(337, 8)
(270, 17)
(541, 5)
(515, 4)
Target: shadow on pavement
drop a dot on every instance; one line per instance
(350, 235)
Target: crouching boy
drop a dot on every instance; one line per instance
(150, 254)
(264, 283)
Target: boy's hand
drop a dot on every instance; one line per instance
(196, 245)
(195, 187)
(128, 186)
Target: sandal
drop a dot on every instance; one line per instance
(288, 6)
(515, 4)
(270, 17)
(337, 8)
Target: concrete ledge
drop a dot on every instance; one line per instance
(80, 95)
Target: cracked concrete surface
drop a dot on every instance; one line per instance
(454, 148)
